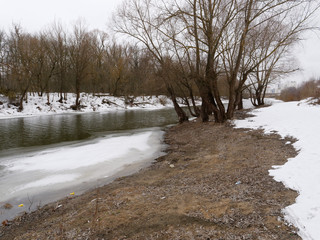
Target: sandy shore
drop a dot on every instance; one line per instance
(212, 184)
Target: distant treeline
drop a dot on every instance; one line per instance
(81, 61)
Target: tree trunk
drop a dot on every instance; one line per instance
(240, 102)
(115, 90)
(235, 71)
(195, 107)
(221, 115)
(78, 92)
(204, 111)
(260, 95)
(61, 92)
(78, 100)
(48, 98)
(206, 102)
(232, 100)
(181, 114)
(189, 107)
(21, 100)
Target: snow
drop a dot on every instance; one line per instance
(37, 105)
(80, 163)
(299, 120)
(51, 180)
(77, 156)
(102, 102)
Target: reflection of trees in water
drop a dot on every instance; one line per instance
(45, 130)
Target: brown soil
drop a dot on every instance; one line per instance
(212, 184)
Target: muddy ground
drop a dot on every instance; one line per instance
(212, 184)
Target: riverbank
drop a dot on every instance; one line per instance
(36, 105)
(212, 184)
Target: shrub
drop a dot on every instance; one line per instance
(290, 94)
(308, 89)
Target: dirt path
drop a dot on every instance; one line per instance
(213, 184)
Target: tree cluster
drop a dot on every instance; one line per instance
(56, 60)
(243, 44)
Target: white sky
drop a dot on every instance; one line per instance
(34, 15)
(308, 56)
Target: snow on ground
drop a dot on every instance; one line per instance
(103, 102)
(247, 104)
(302, 173)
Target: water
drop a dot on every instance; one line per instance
(45, 130)
(45, 158)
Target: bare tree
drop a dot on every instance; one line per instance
(59, 50)
(98, 72)
(212, 38)
(139, 19)
(22, 61)
(80, 57)
(3, 43)
(117, 65)
(268, 71)
(249, 27)
(45, 64)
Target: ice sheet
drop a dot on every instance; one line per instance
(74, 157)
(82, 165)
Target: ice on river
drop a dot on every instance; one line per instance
(53, 173)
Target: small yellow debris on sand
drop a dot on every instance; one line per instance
(72, 193)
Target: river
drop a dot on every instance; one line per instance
(45, 158)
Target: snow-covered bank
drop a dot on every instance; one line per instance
(302, 173)
(37, 105)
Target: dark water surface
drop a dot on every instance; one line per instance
(52, 129)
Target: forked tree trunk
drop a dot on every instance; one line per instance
(182, 116)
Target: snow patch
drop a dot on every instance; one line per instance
(302, 173)
(51, 180)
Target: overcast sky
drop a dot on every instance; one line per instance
(34, 15)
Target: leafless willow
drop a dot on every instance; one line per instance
(214, 39)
